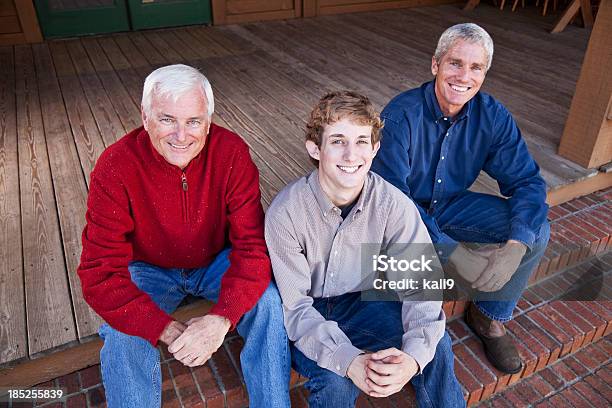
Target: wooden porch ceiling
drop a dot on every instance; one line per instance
(63, 102)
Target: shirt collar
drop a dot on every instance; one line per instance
(325, 203)
(434, 106)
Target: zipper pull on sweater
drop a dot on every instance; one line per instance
(184, 181)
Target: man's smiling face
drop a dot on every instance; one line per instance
(459, 75)
(178, 129)
(345, 157)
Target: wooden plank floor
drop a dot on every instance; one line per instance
(63, 102)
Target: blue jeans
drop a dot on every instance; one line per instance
(131, 366)
(477, 217)
(374, 326)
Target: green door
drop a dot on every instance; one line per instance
(168, 13)
(66, 18)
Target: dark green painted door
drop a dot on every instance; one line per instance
(66, 18)
(168, 13)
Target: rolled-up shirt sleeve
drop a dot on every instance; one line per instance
(319, 339)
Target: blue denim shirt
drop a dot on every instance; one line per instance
(432, 158)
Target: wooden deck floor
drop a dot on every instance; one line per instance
(63, 102)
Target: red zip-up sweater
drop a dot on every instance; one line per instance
(142, 208)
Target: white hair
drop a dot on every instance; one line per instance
(174, 81)
(469, 32)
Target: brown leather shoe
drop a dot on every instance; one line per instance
(498, 344)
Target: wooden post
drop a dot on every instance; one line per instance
(218, 11)
(566, 16)
(587, 13)
(587, 137)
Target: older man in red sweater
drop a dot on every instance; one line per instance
(174, 209)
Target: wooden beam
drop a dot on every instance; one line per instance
(32, 372)
(587, 137)
(581, 188)
(75, 357)
(566, 17)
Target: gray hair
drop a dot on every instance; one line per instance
(174, 81)
(469, 32)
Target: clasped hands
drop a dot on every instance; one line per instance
(194, 342)
(382, 373)
(490, 267)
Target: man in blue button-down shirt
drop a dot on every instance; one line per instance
(436, 140)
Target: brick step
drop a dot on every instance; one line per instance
(583, 379)
(580, 229)
(547, 325)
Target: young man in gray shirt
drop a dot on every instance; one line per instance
(315, 231)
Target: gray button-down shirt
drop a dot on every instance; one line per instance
(315, 253)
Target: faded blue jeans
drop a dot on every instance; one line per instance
(483, 218)
(131, 366)
(373, 326)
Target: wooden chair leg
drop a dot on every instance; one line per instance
(545, 7)
(501, 6)
(515, 4)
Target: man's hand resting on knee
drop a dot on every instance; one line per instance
(502, 264)
(468, 263)
(388, 371)
(202, 337)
